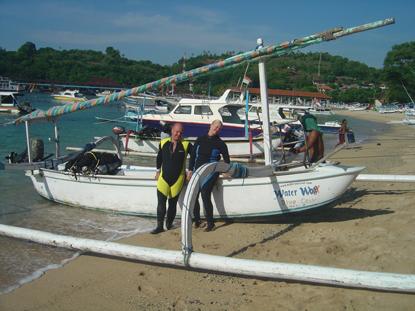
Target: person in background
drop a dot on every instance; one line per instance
(207, 149)
(314, 139)
(170, 176)
(342, 132)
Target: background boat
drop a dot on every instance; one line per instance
(69, 95)
(10, 105)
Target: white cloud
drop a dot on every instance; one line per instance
(161, 30)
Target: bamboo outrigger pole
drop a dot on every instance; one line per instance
(273, 50)
(392, 282)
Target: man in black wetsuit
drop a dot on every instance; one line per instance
(207, 149)
(170, 176)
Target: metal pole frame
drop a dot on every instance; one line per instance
(29, 154)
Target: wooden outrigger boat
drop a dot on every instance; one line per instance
(132, 190)
(265, 191)
(262, 192)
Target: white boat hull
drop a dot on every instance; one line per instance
(11, 110)
(408, 121)
(135, 192)
(69, 99)
(237, 147)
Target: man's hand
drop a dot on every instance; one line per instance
(189, 175)
(156, 177)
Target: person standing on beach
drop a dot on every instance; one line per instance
(314, 139)
(170, 176)
(342, 132)
(207, 149)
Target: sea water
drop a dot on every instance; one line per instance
(20, 205)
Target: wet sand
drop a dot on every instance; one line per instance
(369, 228)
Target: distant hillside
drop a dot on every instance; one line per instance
(348, 80)
(70, 66)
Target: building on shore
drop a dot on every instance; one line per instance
(290, 97)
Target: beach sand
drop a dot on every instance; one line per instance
(370, 228)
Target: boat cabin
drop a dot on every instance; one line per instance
(8, 103)
(197, 115)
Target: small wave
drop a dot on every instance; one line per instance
(135, 227)
(116, 234)
(38, 273)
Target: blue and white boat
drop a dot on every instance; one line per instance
(197, 114)
(279, 113)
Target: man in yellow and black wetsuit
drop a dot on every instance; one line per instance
(171, 163)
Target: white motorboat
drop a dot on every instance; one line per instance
(237, 146)
(410, 110)
(280, 113)
(358, 107)
(409, 121)
(144, 104)
(7, 85)
(321, 111)
(197, 114)
(69, 96)
(9, 104)
(389, 108)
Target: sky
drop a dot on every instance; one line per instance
(165, 31)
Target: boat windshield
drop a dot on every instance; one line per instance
(203, 110)
(183, 109)
(229, 114)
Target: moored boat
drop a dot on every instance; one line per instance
(197, 114)
(103, 93)
(10, 104)
(7, 85)
(132, 190)
(69, 95)
(237, 146)
(280, 113)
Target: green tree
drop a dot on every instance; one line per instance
(27, 51)
(292, 71)
(399, 71)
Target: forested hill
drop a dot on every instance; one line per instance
(349, 80)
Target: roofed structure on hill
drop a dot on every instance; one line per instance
(287, 97)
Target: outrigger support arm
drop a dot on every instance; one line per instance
(29, 153)
(56, 139)
(392, 282)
